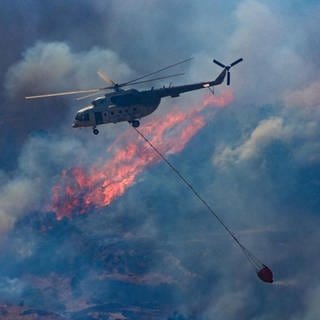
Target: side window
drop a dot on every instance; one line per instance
(86, 117)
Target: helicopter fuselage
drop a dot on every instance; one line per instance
(124, 105)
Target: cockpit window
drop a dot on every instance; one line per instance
(82, 116)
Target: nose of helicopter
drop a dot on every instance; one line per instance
(75, 125)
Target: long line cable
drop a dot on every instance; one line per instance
(255, 262)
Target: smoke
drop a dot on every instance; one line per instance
(23, 191)
(306, 97)
(256, 162)
(275, 64)
(266, 132)
(53, 66)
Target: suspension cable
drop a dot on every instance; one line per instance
(254, 261)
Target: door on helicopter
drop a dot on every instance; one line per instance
(98, 117)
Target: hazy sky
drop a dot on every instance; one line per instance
(257, 160)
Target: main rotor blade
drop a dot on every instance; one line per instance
(228, 78)
(235, 62)
(105, 77)
(152, 73)
(153, 79)
(87, 96)
(63, 93)
(219, 63)
(125, 85)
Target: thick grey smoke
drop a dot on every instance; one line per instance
(257, 161)
(53, 67)
(28, 187)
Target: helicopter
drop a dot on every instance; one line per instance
(131, 104)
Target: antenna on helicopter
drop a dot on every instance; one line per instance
(227, 68)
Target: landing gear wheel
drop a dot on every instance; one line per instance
(95, 131)
(135, 123)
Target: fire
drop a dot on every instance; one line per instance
(80, 189)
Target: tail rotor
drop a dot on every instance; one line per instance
(227, 68)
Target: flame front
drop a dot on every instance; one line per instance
(80, 189)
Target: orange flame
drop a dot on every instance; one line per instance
(80, 189)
